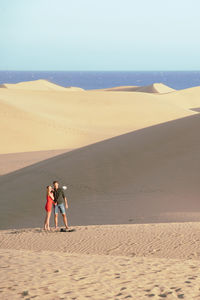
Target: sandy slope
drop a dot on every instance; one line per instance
(149, 175)
(39, 85)
(102, 262)
(14, 161)
(35, 120)
(157, 88)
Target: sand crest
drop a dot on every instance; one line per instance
(156, 88)
(43, 85)
(51, 119)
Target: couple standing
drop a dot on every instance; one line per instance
(56, 198)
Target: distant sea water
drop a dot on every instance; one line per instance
(105, 79)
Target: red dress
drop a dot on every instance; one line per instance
(49, 203)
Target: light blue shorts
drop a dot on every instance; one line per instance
(59, 207)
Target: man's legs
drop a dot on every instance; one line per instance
(56, 220)
(65, 220)
(56, 216)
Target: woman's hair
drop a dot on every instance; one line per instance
(48, 189)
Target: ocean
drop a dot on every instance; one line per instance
(105, 79)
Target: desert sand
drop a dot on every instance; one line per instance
(14, 161)
(102, 262)
(37, 120)
(130, 159)
(157, 88)
(136, 151)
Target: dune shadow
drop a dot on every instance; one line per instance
(148, 175)
(197, 109)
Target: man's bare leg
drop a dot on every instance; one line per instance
(56, 220)
(65, 221)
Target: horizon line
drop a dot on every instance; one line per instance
(100, 70)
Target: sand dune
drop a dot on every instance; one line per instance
(149, 175)
(34, 120)
(140, 179)
(157, 88)
(14, 161)
(122, 89)
(40, 84)
(73, 88)
(188, 98)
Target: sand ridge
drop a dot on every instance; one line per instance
(156, 88)
(39, 85)
(38, 120)
(150, 175)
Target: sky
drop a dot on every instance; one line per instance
(99, 35)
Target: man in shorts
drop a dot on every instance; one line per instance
(61, 204)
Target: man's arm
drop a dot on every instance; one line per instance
(66, 204)
(64, 197)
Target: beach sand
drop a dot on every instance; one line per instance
(130, 159)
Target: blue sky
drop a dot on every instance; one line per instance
(99, 35)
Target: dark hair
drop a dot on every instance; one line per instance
(55, 181)
(48, 186)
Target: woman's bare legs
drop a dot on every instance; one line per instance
(46, 223)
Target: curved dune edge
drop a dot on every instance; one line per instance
(30, 118)
(11, 162)
(156, 88)
(40, 85)
(45, 85)
(108, 262)
(149, 175)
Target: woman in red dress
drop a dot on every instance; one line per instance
(48, 207)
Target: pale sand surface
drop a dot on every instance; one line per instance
(161, 240)
(53, 276)
(153, 88)
(102, 262)
(41, 85)
(149, 175)
(36, 120)
(14, 161)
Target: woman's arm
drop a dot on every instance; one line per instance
(51, 195)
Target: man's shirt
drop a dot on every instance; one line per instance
(59, 196)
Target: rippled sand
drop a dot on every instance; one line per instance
(102, 262)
